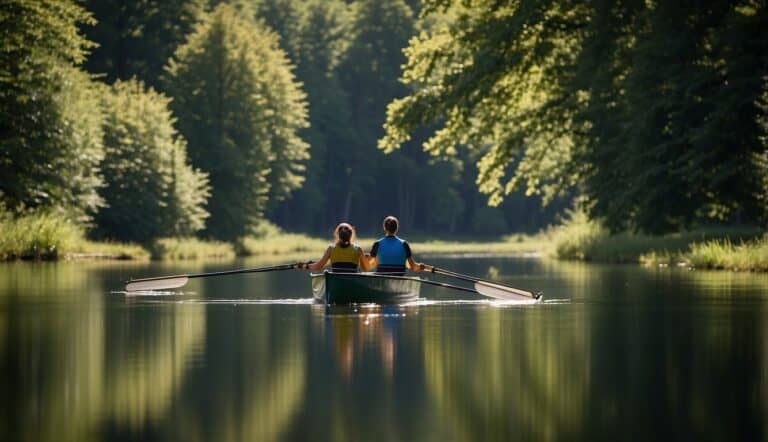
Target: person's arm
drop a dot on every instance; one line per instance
(371, 257)
(415, 266)
(409, 259)
(319, 264)
(364, 260)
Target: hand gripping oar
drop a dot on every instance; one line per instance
(488, 288)
(176, 281)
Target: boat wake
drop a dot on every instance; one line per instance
(149, 293)
(422, 302)
(486, 302)
(286, 301)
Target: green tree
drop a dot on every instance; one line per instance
(151, 190)
(315, 34)
(646, 107)
(687, 140)
(136, 37)
(373, 185)
(50, 124)
(490, 77)
(762, 159)
(240, 107)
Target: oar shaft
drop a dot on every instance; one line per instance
(456, 275)
(221, 273)
(237, 271)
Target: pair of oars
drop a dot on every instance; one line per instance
(481, 286)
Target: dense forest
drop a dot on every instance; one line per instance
(153, 118)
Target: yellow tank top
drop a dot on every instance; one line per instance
(349, 254)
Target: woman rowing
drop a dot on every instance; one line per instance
(345, 256)
(390, 254)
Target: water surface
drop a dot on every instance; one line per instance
(615, 352)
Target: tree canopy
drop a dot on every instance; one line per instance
(50, 123)
(240, 107)
(136, 37)
(647, 108)
(151, 190)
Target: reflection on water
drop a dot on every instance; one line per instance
(614, 352)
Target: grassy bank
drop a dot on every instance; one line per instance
(750, 255)
(516, 244)
(46, 236)
(722, 248)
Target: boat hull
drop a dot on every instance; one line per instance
(363, 288)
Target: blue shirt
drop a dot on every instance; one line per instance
(391, 253)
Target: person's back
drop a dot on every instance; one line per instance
(345, 257)
(391, 253)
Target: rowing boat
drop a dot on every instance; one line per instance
(362, 288)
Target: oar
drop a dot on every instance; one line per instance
(488, 288)
(176, 281)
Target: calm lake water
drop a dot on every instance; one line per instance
(615, 352)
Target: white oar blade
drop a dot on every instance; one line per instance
(157, 284)
(503, 292)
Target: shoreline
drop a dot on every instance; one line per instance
(721, 255)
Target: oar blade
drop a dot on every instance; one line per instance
(504, 292)
(156, 284)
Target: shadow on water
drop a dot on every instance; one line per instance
(614, 352)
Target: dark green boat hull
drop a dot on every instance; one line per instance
(364, 288)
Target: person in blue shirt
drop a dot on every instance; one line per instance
(390, 254)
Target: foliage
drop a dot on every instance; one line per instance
(87, 249)
(724, 254)
(315, 34)
(647, 107)
(681, 139)
(348, 56)
(282, 244)
(534, 245)
(136, 38)
(36, 235)
(151, 190)
(762, 121)
(190, 248)
(240, 107)
(581, 239)
(50, 134)
(487, 76)
(716, 254)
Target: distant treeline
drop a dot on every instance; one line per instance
(655, 112)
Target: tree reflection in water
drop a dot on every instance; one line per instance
(660, 353)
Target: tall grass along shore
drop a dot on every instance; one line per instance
(734, 248)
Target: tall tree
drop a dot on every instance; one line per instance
(50, 123)
(762, 158)
(151, 190)
(240, 107)
(373, 185)
(136, 37)
(315, 34)
(655, 126)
